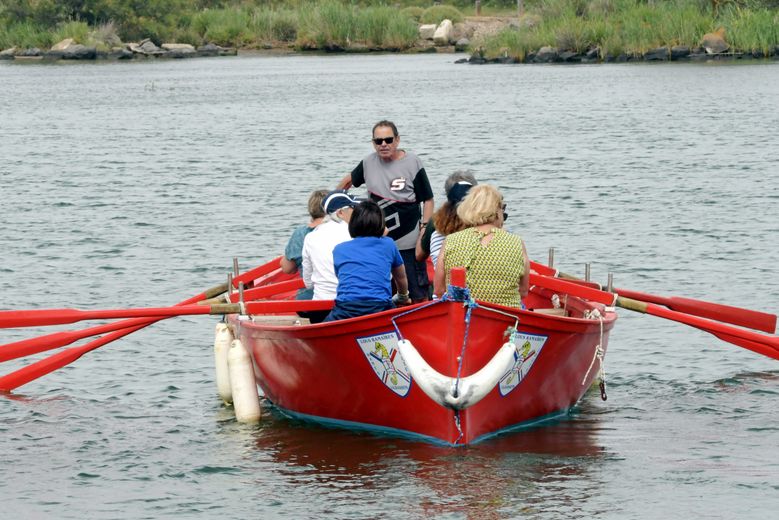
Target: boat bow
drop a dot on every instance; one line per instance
(457, 393)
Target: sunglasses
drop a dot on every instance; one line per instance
(505, 215)
(378, 140)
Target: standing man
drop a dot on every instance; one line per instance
(397, 181)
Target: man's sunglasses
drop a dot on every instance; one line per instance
(378, 140)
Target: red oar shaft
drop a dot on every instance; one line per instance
(36, 318)
(42, 318)
(582, 291)
(766, 345)
(714, 311)
(257, 272)
(31, 346)
(45, 366)
(264, 291)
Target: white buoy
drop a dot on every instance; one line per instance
(244, 389)
(222, 340)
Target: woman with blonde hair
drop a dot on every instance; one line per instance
(495, 261)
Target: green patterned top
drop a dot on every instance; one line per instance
(493, 271)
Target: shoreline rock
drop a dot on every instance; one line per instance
(442, 38)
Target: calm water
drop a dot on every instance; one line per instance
(135, 184)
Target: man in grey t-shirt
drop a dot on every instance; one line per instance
(397, 181)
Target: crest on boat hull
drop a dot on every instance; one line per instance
(381, 350)
(528, 348)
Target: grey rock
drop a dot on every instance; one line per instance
(658, 54)
(8, 54)
(593, 54)
(461, 60)
(28, 53)
(79, 52)
(148, 47)
(180, 53)
(462, 44)
(570, 57)
(546, 55)
(679, 52)
(209, 49)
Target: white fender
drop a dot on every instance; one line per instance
(471, 390)
(244, 388)
(222, 340)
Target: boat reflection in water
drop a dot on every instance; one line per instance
(514, 474)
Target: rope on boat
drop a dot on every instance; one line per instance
(595, 314)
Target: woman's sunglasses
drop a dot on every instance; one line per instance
(505, 215)
(378, 140)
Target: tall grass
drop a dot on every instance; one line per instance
(25, 35)
(386, 28)
(752, 31)
(634, 27)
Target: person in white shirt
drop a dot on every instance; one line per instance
(318, 270)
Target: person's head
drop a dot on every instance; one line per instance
(457, 186)
(459, 176)
(315, 201)
(482, 205)
(367, 220)
(338, 205)
(385, 139)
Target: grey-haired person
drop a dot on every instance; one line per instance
(318, 271)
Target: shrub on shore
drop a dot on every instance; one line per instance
(438, 13)
(414, 12)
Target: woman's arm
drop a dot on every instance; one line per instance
(439, 280)
(524, 280)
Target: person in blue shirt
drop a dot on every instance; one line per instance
(366, 265)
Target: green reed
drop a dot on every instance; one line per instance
(631, 27)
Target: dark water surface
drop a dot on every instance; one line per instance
(135, 184)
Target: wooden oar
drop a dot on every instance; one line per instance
(714, 311)
(39, 344)
(45, 366)
(760, 343)
(46, 317)
(258, 293)
(40, 368)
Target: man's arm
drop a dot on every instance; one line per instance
(288, 266)
(345, 183)
(356, 179)
(427, 211)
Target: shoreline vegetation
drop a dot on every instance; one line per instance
(491, 31)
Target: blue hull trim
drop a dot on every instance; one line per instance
(385, 431)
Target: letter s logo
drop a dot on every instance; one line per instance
(398, 184)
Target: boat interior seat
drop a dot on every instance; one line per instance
(552, 312)
(280, 320)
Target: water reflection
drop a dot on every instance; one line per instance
(519, 473)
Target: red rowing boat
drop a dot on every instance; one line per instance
(455, 371)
